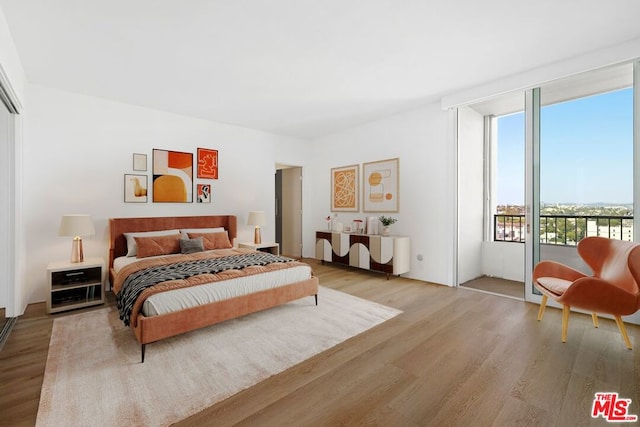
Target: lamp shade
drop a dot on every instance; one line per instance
(76, 225)
(257, 218)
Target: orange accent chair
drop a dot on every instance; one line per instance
(612, 289)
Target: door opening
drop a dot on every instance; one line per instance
(288, 209)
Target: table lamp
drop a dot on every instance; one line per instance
(257, 218)
(76, 226)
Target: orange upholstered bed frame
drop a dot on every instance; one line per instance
(155, 328)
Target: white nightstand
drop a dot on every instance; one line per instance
(75, 284)
(273, 248)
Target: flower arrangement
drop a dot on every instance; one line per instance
(329, 222)
(387, 220)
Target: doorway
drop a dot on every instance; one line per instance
(5, 211)
(569, 128)
(583, 176)
(288, 210)
(9, 202)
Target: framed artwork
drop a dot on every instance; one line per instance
(344, 188)
(204, 193)
(380, 186)
(135, 188)
(172, 176)
(207, 163)
(139, 162)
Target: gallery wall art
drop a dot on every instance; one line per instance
(204, 193)
(344, 188)
(172, 176)
(380, 186)
(135, 188)
(207, 163)
(139, 162)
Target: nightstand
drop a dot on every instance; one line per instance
(75, 284)
(272, 248)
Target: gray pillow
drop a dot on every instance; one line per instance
(189, 246)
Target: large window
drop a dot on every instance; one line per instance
(586, 170)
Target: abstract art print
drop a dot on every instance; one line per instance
(204, 193)
(207, 163)
(135, 188)
(344, 188)
(380, 189)
(172, 176)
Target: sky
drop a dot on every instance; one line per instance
(586, 151)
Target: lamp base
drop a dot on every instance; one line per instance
(76, 250)
(256, 237)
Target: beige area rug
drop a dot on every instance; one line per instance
(94, 376)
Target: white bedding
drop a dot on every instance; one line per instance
(179, 299)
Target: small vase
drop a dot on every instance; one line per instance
(386, 231)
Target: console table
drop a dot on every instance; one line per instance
(386, 254)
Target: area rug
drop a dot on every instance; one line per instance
(94, 376)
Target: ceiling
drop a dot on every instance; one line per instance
(298, 67)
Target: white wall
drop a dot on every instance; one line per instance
(9, 59)
(504, 260)
(421, 140)
(470, 193)
(77, 149)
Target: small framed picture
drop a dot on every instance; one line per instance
(204, 193)
(139, 162)
(207, 163)
(135, 188)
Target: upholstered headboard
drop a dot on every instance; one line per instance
(118, 226)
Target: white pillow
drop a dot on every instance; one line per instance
(185, 231)
(132, 247)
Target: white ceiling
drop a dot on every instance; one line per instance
(299, 67)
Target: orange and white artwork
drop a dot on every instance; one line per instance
(344, 188)
(207, 163)
(135, 188)
(204, 193)
(172, 176)
(381, 186)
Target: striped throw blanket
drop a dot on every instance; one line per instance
(137, 282)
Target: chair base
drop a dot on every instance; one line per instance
(594, 317)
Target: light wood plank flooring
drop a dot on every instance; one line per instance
(454, 357)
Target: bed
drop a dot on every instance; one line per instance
(267, 288)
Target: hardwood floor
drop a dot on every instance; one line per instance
(494, 285)
(453, 357)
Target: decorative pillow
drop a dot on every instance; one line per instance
(189, 246)
(158, 245)
(213, 240)
(185, 231)
(132, 248)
